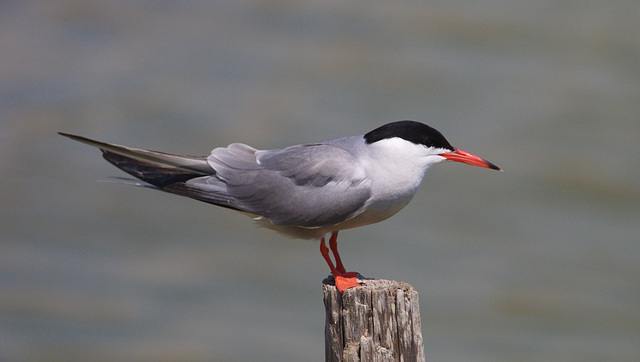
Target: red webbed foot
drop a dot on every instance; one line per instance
(346, 280)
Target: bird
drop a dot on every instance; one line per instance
(306, 191)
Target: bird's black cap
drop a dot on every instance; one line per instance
(412, 131)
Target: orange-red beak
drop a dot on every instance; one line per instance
(465, 157)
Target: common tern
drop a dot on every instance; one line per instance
(304, 191)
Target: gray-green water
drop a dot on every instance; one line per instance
(541, 262)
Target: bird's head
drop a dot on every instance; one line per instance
(418, 138)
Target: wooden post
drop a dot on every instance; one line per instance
(379, 321)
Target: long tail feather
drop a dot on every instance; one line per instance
(197, 165)
(182, 175)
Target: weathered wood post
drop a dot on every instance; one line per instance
(379, 321)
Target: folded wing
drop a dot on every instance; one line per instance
(308, 185)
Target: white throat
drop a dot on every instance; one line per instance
(396, 167)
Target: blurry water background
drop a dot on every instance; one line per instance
(541, 262)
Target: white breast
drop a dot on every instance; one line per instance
(395, 168)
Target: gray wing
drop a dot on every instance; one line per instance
(308, 185)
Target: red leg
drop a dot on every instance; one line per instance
(325, 254)
(333, 244)
(343, 279)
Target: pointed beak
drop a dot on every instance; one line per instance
(465, 157)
